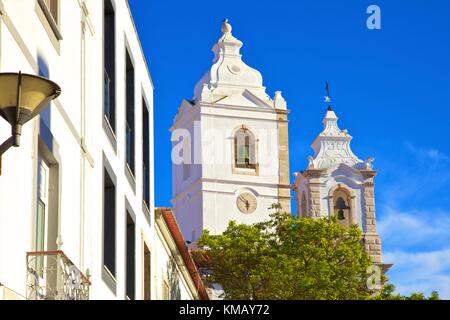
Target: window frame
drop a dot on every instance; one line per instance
(145, 153)
(130, 146)
(54, 22)
(187, 158)
(110, 117)
(147, 276)
(41, 229)
(130, 257)
(250, 147)
(338, 195)
(112, 270)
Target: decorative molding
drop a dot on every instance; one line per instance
(243, 108)
(332, 146)
(228, 72)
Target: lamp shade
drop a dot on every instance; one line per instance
(23, 96)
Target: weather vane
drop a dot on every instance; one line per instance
(327, 96)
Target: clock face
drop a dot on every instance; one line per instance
(246, 202)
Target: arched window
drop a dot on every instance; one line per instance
(304, 210)
(342, 209)
(244, 149)
(187, 159)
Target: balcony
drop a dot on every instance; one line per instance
(51, 275)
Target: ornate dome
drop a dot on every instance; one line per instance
(332, 147)
(228, 73)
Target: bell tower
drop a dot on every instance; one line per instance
(337, 183)
(230, 146)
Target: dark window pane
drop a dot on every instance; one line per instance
(109, 224)
(244, 146)
(109, 74)
(130, 130)
(130, 258)
(145, 154)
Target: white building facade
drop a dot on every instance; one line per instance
(77, 197)
(230, 147)
(337, 183)
(180, 279)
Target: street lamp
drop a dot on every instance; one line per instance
(22, 97)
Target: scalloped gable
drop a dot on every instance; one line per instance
(246, 99)
(229, 74)
(332, 146)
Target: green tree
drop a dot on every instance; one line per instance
(286, 258)
(387, 293)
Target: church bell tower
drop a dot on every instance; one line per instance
(337, 183)
(230, 147)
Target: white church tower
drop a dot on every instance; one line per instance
(230, 147)
(336, 182)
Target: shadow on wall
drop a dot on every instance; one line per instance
(45, 115)
(174, 281)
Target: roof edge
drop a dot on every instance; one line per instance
(177, 236)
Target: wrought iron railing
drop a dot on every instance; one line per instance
(51, 275)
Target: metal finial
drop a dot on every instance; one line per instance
(226, 27)
(327, 97)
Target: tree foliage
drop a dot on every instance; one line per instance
(387, 293)
(286, 258)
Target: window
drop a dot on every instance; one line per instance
(109, 67)
(145, 154)
(42, 214)
(46, 216)
(186, 158)
(52, 8)
(342, 208)
(130, 258)
(46, 219)
(244, 149)
(109, 224)
(129, 122)
(147, 273)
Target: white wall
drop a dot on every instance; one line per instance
(175, 276)
(79, 142)
(209, 202)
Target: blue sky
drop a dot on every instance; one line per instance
(390, 88)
